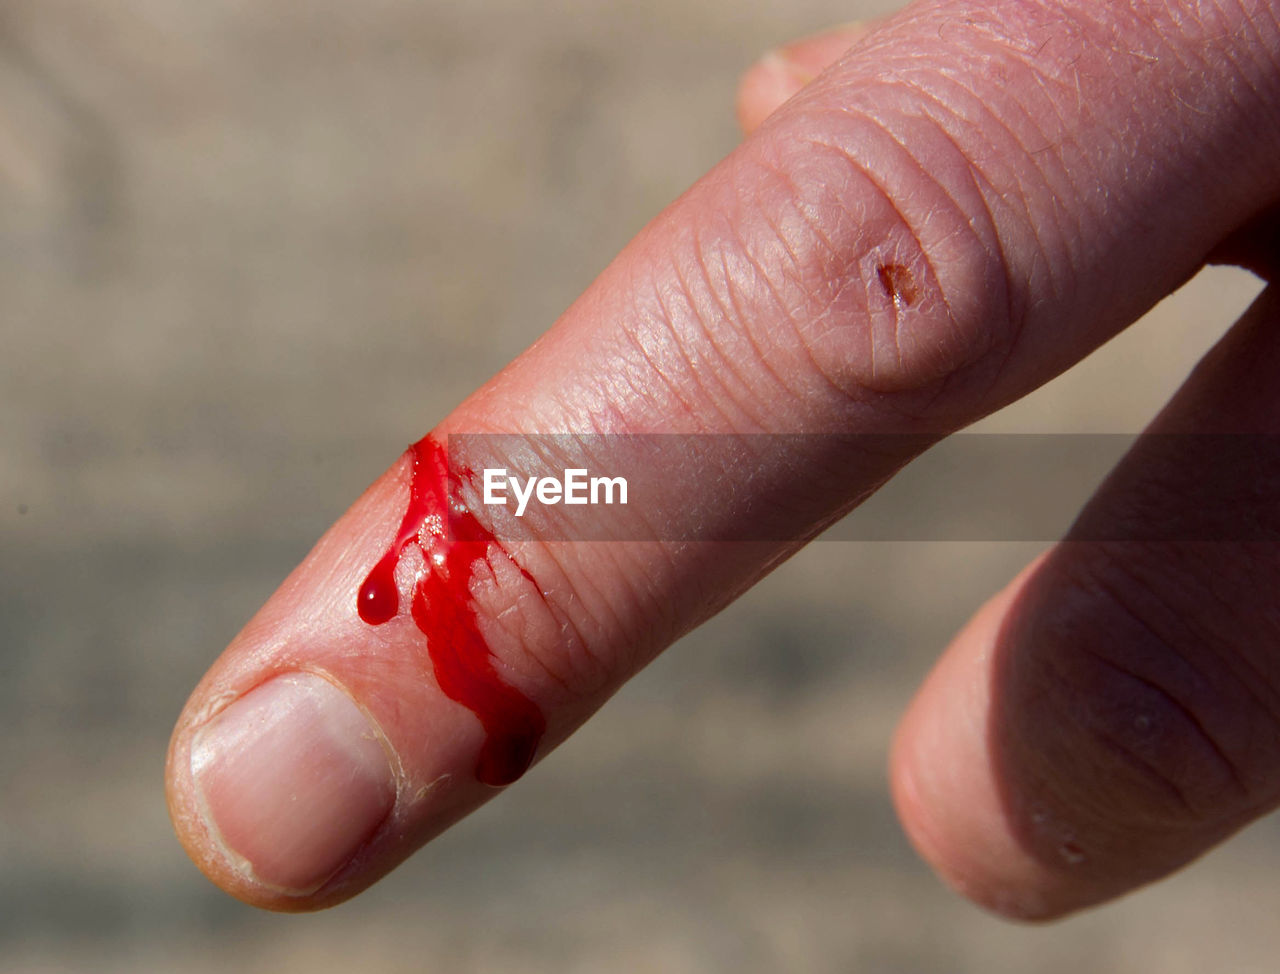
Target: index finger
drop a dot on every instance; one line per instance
(963, 206)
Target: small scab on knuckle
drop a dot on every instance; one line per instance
(890, 329)
(894, 242)
(898, 283)
(901, 287)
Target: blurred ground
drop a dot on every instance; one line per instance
(247, 252)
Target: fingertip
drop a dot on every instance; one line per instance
(956, 810)
(783, 71)
(280, 789)
(320, 750)
(764, 87)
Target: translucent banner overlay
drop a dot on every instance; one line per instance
(794, 487)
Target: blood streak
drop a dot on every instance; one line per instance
(444, 610)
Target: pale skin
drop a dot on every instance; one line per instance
(1037, 174)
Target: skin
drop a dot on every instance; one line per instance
(1037, 174)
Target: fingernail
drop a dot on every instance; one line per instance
(292, 779)
(794, 65)
(787, 75)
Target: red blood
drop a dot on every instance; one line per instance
(444, 611)
(378, 600)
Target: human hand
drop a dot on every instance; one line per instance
(965, 204)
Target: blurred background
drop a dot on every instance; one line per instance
(248, 251)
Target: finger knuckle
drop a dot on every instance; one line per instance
(894, 276)
(1158, 727)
